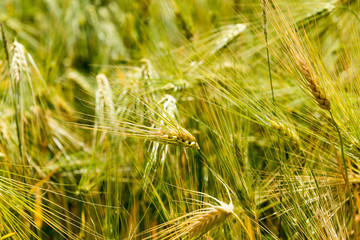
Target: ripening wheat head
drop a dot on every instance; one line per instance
(140, 117)
(210, 218)
(303, 66)
(18, 61)
(195, 223)
(212, 214)
(318, 93)
(285, 131)
(177, 136)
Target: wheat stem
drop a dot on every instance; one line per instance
(351, 199)
(242, 224)
(263, 6)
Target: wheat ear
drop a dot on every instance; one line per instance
(18, 61)
(209, 219)
(179, 136)
(104, 105)
(317, 91)
(286, 132)
(198, 222)
(104, 93)
(194, 224)
(18, 66)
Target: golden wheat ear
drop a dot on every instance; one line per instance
(209, 219)
(179, 137)
(194, 224)
(303, 66)
(316, 90)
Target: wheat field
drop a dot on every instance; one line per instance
(179, 119)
